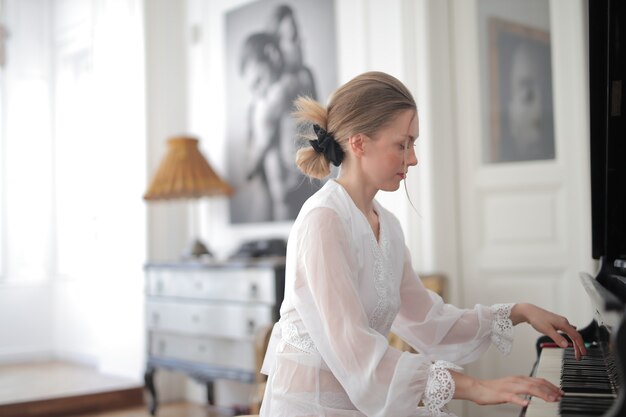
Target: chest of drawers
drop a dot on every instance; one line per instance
(202, 318)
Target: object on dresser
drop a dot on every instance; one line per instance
(261, 248)
(185, 174)
(197, 250)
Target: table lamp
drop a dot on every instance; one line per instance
(184, 173)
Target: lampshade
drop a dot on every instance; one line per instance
(185, 173)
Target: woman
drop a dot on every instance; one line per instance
(349, 281)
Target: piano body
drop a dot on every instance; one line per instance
(595, 386)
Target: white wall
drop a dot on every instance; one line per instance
(167, 36)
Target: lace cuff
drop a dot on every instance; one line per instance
(439, 387)
(292, 336)
(502, 327)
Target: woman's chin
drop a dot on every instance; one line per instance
(391, 186)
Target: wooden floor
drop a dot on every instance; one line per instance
(46, 380)
(49, 388)
(165, 410)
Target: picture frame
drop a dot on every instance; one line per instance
(521, 119)
(272, 45)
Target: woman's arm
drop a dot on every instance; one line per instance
(462, 335)
(445, 383)
(443, 331)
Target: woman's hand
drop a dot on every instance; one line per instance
(549, 324)
(511, 389)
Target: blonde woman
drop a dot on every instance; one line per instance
(349, 281)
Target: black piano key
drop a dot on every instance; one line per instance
(588, 375)
(572, 405)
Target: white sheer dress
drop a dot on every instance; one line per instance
(344, 292)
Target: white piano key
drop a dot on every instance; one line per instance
(549, 368)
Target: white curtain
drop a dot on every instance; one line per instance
(119, 140)
(72, 172)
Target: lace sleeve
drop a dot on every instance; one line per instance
(502, 327)
(439, 387)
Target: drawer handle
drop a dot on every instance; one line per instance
(198, 285)
(195, 318)
(159, 286)
(162, 346)
(254, 290)
(251, 326)
(155, 318)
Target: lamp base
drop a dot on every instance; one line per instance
(197, 250)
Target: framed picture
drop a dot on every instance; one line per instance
(520, 83)
(276, 51)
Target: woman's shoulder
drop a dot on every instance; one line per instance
(330, 196)
(327, 204)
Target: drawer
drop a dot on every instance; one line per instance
(247, 285)
(228, 320)
(226, 353)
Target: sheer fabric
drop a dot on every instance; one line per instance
(344, 291)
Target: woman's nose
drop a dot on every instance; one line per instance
(411, 157)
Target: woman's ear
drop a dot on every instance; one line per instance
(356, 144)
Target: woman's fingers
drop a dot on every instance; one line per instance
(537, 387)
(560, 324)
(577, 340)
(514, 399)
(558, 338)
(514, 389)
(544, 390)
(551, 324)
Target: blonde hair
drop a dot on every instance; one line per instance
(364, 104)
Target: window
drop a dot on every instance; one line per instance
(26, 144)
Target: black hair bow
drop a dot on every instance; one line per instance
(327, 145)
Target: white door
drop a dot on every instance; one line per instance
(524, 212)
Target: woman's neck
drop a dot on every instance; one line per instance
(362, 197)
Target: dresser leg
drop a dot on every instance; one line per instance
(210, 392)
(149, 384)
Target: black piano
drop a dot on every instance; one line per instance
(594, 386)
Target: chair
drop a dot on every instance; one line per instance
(262, 339)
(434, 282)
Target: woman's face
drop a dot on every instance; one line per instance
(525, 107)
(390, 153)
(258, 77)
(290, 43)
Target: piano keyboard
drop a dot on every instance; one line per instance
(588, 390)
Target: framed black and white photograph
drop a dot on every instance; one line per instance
(520, 78)
(275, 52)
